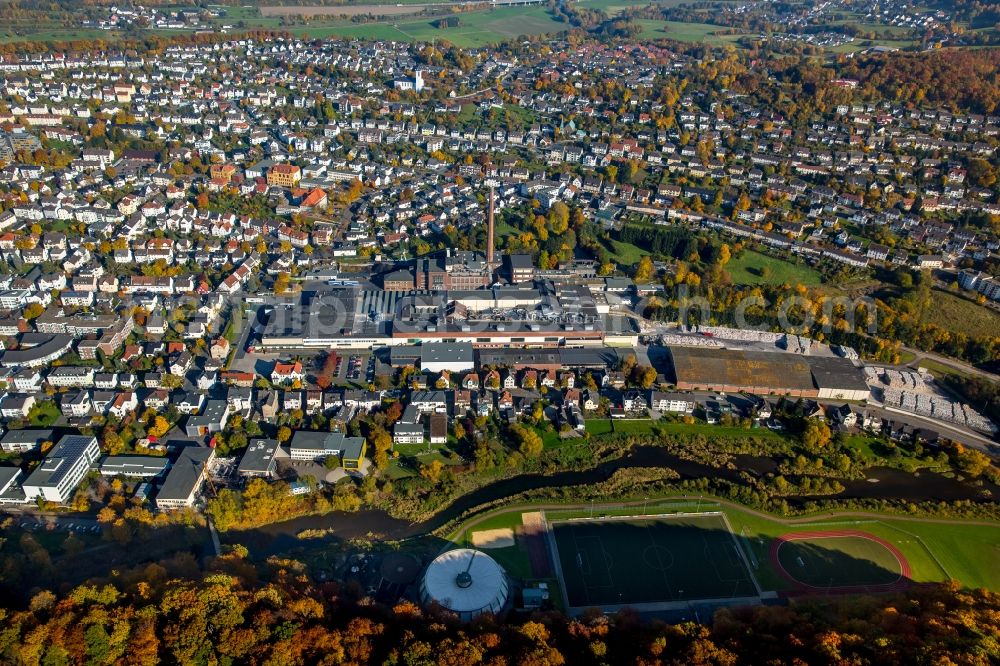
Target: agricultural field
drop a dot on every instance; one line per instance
(752, 267)
(7, 35)
(685, 32)
(476, 29)
(615, 7)
(341, 10)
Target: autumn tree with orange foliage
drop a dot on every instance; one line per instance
(235, 612)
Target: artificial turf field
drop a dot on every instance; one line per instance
(666, 559)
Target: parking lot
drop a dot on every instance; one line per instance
(54, 524)
(358, 368)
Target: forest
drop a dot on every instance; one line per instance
(233, 612)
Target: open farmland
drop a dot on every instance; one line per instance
(685, 32)
(476, 29)
(343, 10)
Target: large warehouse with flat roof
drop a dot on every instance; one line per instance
(775, 373)
(839, 378)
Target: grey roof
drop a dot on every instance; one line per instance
(352, 447)
(317, 441)
(144, 465)
(408, 429)
(185, 474)
(438, 352)
(570, 357)
(259, 456)
(53, 345)
(403, 354)
(60, 460)
(837, 373)
(29, 436)
(328, 441)
(8, 475)
(520, 261)
(70, 371)
(429, 396)
(212, 414)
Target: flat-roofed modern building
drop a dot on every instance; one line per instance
(185, 478)
(63, 469)
(259, 458)
(450, 356)
(211, 419)
(735, 371)
(316, 446)
(134, 466)
(839, 379)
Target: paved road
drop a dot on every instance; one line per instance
(951, 363)
(975, 440)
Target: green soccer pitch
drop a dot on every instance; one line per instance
(650, 560)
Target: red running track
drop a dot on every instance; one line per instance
(805, 588)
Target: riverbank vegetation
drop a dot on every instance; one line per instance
(805, 467)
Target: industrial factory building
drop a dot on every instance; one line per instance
(767, 373)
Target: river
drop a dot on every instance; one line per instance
(881, 483)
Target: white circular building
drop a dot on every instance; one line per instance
(465, 581)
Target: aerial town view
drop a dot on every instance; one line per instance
(513, 332)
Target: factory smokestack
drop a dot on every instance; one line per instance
(489, 231)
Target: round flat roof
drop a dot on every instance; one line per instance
(484, 588)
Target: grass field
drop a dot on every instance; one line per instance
(476, 29)
(939, 370)
(934, 551)
(614, 7)
(57, 35)
(874, 452)
(625, 253)
(685, 32)
(748, 268)
(597, 427)
(648, 561)
(848, 560)
(956, 314)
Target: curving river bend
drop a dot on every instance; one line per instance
(881, 483)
